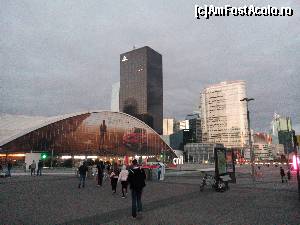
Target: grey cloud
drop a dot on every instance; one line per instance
(63, 56)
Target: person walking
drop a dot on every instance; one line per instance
(114, 176)
(83, 169)
(9, 166)
(32, 168)
(159, 172)
(100, 168)
(282, 174)
(123, 178)
(136, 179)
(288, 174)
(40, 167)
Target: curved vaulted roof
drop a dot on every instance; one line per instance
(18, 131)
(15, 126)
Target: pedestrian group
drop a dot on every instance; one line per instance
(134, 176)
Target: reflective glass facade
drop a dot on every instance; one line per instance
(98, 133)
(141, 86)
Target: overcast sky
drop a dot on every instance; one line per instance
(60, 57)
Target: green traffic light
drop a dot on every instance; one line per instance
(44, 156)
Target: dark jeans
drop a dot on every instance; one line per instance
(283, 179)
(39, 172)
(124, 187)
(81, 180)
(32, 171)
(136, 196)
(114, 182)
(8, 172)
(100, 179)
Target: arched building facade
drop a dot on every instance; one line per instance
(101, 133)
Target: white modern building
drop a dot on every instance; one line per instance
(183, 124)
(168, 126)
(115, 97)
(223, 115)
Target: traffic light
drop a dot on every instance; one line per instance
(43, 155)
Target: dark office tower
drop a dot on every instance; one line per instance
(141, 86)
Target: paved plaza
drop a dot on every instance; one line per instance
(55, 199)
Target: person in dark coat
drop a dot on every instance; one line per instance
(282, 174)
(83, 169)
(100, 168)
(114, 176)
(159, 172)
(136, 179)
(40, 167)
(289, 174)
(9, 166)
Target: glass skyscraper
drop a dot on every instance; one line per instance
(282, 132)
(141, 86)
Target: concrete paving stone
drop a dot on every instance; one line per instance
(56, 199)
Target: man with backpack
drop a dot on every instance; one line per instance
(136, 179)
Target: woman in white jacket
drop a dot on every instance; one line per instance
(123, 178)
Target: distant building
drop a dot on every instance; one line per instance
(141, 86)
(180, 138)
(200, 152)
(286, 139)
(282, 132)
(223, 115)
(183, 124)
(298, 140)
(264, 149)
(115, 97)
(195, 126)
(277, 151)
(268, 151)
(279, 123)
(262, 138)
(168, 126)
(262, 146)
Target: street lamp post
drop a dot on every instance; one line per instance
(250, 141)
